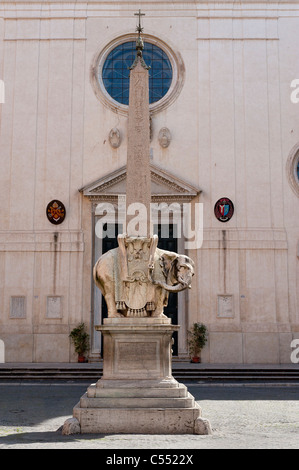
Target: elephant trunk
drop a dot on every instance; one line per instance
(169, 288)
(184, 283)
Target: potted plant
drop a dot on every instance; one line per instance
(80, 340)
(197, 338)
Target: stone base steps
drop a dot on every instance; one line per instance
(137, 402)
(172, 420)
(137, 408)
(187, 373)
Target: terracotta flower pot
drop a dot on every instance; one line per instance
(195, 359)
(81, 359)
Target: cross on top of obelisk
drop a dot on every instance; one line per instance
(139, 29)
(139, 44)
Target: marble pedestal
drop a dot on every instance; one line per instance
(137, 393)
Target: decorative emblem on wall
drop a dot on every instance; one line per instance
(55, 212)
(224, 209)
(114, 138)
(164, 137)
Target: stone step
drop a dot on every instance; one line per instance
(136, 402)
(177, 392)
(189, 372)
(141, 420)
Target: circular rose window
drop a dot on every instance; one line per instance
(116, 71)
(111, 73)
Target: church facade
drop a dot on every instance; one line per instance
(224, 109)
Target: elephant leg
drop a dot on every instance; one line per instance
(158, 314)
(160, 302)
(112, 312)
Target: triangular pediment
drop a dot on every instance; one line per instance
(164, 186)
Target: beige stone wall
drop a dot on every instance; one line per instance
(233, 127)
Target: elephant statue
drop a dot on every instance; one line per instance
(136, 277)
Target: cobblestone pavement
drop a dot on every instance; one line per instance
(241, 416)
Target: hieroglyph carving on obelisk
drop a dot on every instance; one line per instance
(138, 190)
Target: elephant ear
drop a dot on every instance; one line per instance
(167, 261)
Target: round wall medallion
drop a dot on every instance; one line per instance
(114, 138)
(293, 169)
(164, 137)
(55, 212)
(224, 209)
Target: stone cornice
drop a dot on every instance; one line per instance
(122, 10)
(42, 241)
(151, 6)
(147, 2)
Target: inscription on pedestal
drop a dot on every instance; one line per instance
(137, 356)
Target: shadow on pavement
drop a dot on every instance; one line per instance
(36, 437)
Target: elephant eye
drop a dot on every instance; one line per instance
(182, 268)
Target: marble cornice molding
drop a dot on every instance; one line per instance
(245, 239)
(42, 241)
(154, 2)
(196, 9)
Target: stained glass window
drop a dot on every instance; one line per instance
(115, 72)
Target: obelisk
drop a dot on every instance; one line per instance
(137, 392)
(138, 190)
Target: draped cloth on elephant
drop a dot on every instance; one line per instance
(135, 292)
